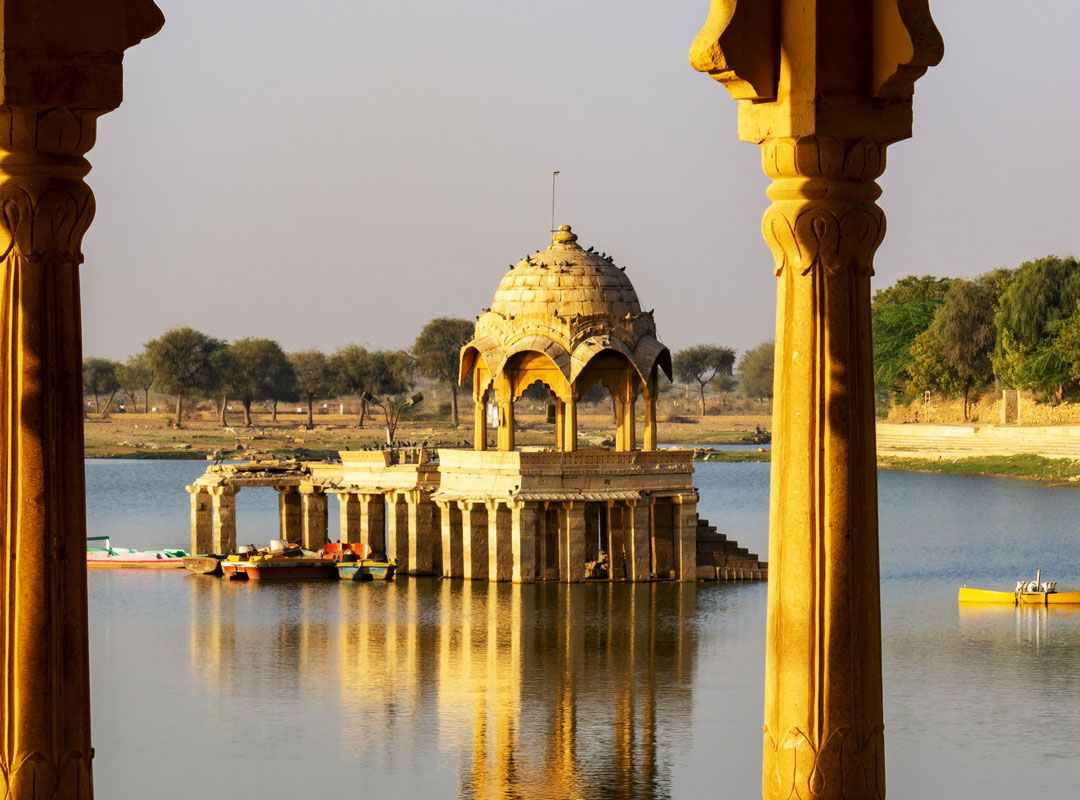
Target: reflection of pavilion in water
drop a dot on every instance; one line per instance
(549, 690)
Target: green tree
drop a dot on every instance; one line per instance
(312, 378)
(350, 369)
(437, 350)
(954, 355)
(223, 370)
(260, 371)
(136, 375)
(898, 315)
(702, 363)
(182, 360)
(1034, 305)
(756, 370)
(99, 377)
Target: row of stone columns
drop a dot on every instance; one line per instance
(507, 540)
(399, 524)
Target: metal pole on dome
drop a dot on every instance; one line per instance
(553, 174)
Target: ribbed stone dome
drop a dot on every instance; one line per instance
(566, 281)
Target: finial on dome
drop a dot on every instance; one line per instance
(564, 235)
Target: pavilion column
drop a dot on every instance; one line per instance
(570, 437)
(223, 518)
(629, 422)
(290, 525)
(572, 541)
(650, 422)
(421, 551)
(373, 522)
(474, 536)
(480, 423)
(397, 529)
(314, 517)
(506, 425)
(62, 69)
(350, 518)
(686, 536)
(202, 524)
(824, 87)
(560, 425)
(452, 548)
(523, 520)
(637, 523)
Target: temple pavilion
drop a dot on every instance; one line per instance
(566, 318)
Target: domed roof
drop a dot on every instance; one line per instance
(569, 304)
(565, 281)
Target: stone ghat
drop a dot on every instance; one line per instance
(722, 559)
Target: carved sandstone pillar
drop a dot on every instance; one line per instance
(824, 86)
(350, 518)
(500, 547)
(373, 522)
(422, 538)
(61, 68)
(474, 534)
(572, 541)
(452, 547)
(223, 518)
(686, 536)
(314, 517)
(202, 526)
(523, 521)
(290, 526)
(637, 521)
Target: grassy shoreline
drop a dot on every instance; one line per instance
(141, 436)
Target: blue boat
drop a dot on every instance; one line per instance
(366, 570)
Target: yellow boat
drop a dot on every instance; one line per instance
(1026, 593)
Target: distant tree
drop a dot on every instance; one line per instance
(954, 355)
(223, 370)
(898, 315)
(260, 371)
(182, 360)
(136, 375)
(437, 349)
(350, 368)
(702, 363)
(756, 370)
(312, 378)
(392, 372)
(1035, 304)
(99, 377)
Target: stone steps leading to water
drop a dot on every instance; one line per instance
(721, 558)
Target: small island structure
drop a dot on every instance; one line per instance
(566, 318)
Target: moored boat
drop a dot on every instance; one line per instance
(280, 561)
(109, 557)
(1036, 592)
(204, 565)
(355, 562)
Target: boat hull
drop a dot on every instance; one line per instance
(353, 572)
(204, 565)
(102, 559)
(969, 595)
(242, 570)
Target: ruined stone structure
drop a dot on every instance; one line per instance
(823, 87)
(566, 318)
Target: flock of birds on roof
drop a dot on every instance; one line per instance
(528, 260)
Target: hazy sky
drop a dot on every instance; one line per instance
(342, 171)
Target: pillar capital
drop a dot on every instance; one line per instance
(222, 490)
(311, 488)
(821, 67)
(287, 489)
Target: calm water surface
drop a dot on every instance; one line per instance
(456, 689)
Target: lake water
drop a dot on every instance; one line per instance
(442, 689)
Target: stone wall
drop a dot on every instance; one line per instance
(985, 410)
